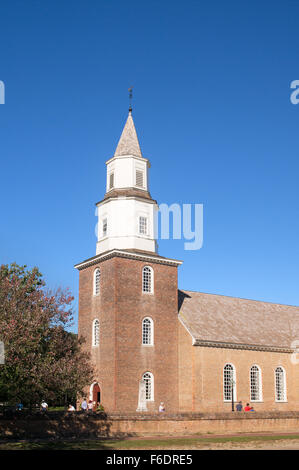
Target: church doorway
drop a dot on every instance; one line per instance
(96, 394)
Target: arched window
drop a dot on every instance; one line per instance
(147, 280)
(96, 282)
(255, 384)
(229, 382)
(148, 378)
(147, 331)
(95, 332)
(280, 384)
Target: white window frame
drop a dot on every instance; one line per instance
(148, 321)
(260, 384)
(104, 222)
(234, 377)
(151, 287)
(96, 335)
(285, 399)
(143, 225)
(152, 385)
(96, 282)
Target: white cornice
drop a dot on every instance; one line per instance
(127, 254)
(252, 347)
(125, 198)
(142, 159)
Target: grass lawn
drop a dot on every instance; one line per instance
(150, 444)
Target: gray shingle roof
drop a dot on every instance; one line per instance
(210, 317)
(128, 143)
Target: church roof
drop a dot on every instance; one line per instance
(128, 143)
(213, 318)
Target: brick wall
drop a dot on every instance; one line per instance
(121, 360)
(80, 425)
(201, 377)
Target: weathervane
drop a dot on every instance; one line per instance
(130, 90)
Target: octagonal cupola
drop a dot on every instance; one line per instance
(127, 168)
(127, 214)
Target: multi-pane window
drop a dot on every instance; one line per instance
(111, 181)
(147, 332)
(147, 280)
(143, 225)
(96, 332)
(255, 384)
(229, 382)
(148, 378)
(104, 227)
(139, 178)
(96, 282)
(280, 384)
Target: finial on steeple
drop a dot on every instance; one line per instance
(130, 90)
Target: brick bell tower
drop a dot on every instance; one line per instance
(128, 293)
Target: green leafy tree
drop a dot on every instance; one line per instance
(42, 359)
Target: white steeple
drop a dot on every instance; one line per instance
(126, 215)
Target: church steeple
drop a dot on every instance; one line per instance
(128, 143)
(127, 212)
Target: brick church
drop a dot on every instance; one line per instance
(194, 351)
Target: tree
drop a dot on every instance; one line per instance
(42, 359)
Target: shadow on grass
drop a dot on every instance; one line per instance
(139, 444)
(56, 430)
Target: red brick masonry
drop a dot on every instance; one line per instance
(78, 425)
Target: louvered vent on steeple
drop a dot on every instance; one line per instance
(139, 178)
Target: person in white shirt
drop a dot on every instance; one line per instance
(84, 405)
(44, 406)
(161, 407)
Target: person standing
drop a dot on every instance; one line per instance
(44, 406)
(84, 405)
(161, 407)
(19, 406)
(239, 406)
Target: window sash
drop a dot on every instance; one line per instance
(148, 379)
(97, 278)
(143, 225)
(147, 333)
(147, 280)
(104, 227)
(280, 384)
(96, 333)
(228, 386)
(255, 384)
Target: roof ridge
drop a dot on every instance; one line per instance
(239, 298)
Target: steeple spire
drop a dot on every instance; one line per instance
(128, 143)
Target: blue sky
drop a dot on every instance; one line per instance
(213, 114)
